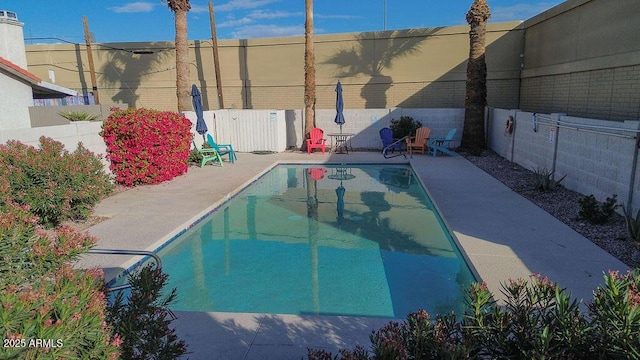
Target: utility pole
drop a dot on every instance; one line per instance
(216, 58)
(92, 68)
(385, 16)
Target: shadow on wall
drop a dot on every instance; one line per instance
(81, 77)
(370, 59)
(202, 79)
(503, 76)
(294, 127)
(244, 75)
(124, 70)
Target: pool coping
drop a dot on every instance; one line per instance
(169, 240)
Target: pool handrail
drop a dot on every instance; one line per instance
(392, 145)
(155, 257)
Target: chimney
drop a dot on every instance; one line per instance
(12, 39)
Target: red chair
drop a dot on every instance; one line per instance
(316, 173)
(315, 140)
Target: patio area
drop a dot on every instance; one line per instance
(502, 235)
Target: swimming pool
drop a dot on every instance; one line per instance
(322, 240)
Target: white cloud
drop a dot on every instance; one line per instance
(257, 15)
(235, 22)
(267, 14)
(243, 4)
(247, 32)
(520, 11)
(134, 7)
(200, 9)
(344, 17)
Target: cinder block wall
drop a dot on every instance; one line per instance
(416, 68)
(582, 58)
(597, 156)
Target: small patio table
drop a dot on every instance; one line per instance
(343, 142)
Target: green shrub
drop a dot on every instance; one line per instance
(538, 320)
(78, 116)
(597, 213)
(405, 126)
(55, 184)
(543, 179)
(615, 314)
(143, 319)
(147, 146)
(43, 298)
(194, 155)
(633, 223)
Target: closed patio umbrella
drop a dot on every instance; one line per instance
(341, 173)
(339, 106)
(340, 194)
(196, 98)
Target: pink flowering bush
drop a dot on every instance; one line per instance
(538, 320)
(48, 310)
(56, 184)
(146, 146)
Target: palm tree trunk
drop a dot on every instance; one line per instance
(182, 61)
(309, 74)
(476, 87)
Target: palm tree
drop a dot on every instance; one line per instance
(476, 95)
(309, 73)
(180, 9)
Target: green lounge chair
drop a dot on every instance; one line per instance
(222, 149)
(442, 144)
(208, 154)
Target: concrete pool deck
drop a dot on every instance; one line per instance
(502, 234)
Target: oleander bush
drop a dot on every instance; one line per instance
(143, 318)
(615, 314)
(538, 320)
(48, 310)
(56, 184)
(146, 146)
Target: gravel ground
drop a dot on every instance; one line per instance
(563, 205)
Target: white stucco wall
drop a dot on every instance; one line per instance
(12, 42)
(15, 99)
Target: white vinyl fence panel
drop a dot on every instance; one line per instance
(246, 130)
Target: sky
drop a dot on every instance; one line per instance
(47, 21)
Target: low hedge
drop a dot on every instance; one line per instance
(538, 321)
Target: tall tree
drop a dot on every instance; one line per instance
(476, 93)
(180, 9)
(309, 73)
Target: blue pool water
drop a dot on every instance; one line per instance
(358, 241)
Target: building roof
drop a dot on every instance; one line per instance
(40, 88)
